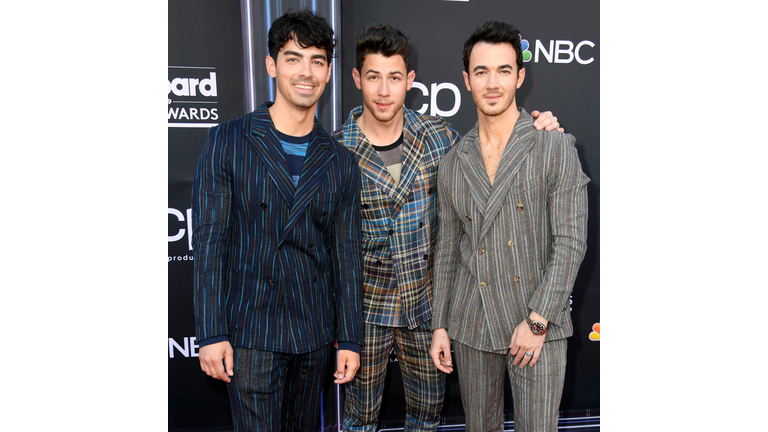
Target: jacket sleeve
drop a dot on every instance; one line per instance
(211, 216)
(567, 208)
(448, 237)
(346, 251)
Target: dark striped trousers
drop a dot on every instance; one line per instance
(424, 384)
(274, 391)
(536, 391)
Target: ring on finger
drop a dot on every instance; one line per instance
(528, 354)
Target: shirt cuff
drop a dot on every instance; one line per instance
(212, 340)
(351, 346)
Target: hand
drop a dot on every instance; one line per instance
(546, 120)
(441, 350)
(523, 341)
(211, 357)
(347, 364)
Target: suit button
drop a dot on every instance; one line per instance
(391, 232)
(272, 281)
(324, 214)
(483, 284)
(378, 262)
(311, 245)
(469, 218)
(281, 247)
(426, 257)
(520, 207)
(314, 279)
(481, 251)
(517, 278)
(510, 243)
(263, 206)
(365, 206)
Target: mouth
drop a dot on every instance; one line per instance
(304, 88)
(383, 105)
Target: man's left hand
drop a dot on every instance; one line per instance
(546, 121)
(524, 341)
(347, 364)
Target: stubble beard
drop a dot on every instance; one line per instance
(382, 116)
(296, 98)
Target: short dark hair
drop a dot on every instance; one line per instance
(385, 40)
(494, 32)
(308, 28)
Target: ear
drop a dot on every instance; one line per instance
(409, 80)
(520, 77)
(356, 77)
(330, 72)
(270, 62)
(466, 81)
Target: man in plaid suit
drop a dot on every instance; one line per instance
(398, 151)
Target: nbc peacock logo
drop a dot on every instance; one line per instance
(594, 335)
(524, 45)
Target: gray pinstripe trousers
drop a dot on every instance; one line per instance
(536, 391)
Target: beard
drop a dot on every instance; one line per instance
(495, 108)
(300, 99)
(378, 114)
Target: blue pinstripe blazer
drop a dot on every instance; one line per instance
(276, 267)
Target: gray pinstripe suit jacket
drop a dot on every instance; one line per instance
(515, 247)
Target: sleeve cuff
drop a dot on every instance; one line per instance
(351, 346)
(212, 340)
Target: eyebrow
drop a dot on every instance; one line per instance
(370, 71)
(300, 55)
(482, 67)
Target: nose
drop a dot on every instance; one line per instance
(493, 81)
(384, 88)
(305, 70)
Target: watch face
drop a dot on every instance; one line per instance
(536, 327)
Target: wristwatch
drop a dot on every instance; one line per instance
(536, 327)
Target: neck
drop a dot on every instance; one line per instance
(497, 129)
(381, 133)
(292, 120)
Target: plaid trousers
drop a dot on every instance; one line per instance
(424, 383)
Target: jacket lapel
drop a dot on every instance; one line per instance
(413, 149)
(516, 151)
(473, 169)
(264, 140)
(313, 170)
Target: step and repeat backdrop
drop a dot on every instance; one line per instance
(216, 73)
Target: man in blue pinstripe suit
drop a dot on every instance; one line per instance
(278, 275)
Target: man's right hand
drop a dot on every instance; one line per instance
(211, 357)
(441, 350)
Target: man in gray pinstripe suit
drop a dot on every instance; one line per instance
(513, 226)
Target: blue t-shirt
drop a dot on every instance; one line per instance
(295, 149)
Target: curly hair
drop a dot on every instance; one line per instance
(306, 27)
(494, 32)
(385, 40)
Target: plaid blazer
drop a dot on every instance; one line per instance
(514, 247)
(399, 220)
(276, 267)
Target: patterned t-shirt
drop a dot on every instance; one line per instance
(392, 156)
(295, 149)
